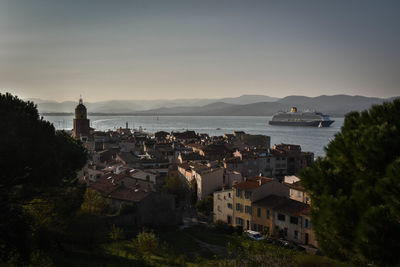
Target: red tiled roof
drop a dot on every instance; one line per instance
(104, 186)
(129, 194)
(254, 182)
(284, 205)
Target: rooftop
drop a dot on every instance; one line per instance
(284, 205)
(254, 182)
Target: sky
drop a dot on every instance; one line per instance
(127, 49)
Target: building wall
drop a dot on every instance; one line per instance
(307, 230)
(263, 218)
(288, 227)
(223, 206)
(241, 214)
(299, 195)
(271, 188)
(231, 177)
(245, 200)
(209, 182)
(185, 174)
(81, 128)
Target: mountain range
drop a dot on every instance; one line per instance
(245, 105)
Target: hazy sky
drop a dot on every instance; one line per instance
(126, 49)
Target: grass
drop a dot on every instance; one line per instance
(90, 245)
(211, 235)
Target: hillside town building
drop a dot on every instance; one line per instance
(254, 186)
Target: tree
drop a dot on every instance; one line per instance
(147, 243)
(355, 189)
(116, 233)
(38, 167)
(173, 185)
(93, 203)
(205, 206)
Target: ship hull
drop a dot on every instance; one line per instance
(302, 123)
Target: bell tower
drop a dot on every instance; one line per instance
(81, 122)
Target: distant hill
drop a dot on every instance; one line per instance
(336, 105)
(133, 106)
(245, 105)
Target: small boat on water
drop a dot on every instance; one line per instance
(295, 118)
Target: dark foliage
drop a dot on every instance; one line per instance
(355, 189)
(205, 205)
(38, 168)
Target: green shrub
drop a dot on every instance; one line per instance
(116, 233)
(147, 243)
(205, 206)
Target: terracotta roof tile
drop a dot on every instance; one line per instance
(284, 205)
(254, 182)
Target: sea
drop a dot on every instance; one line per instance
(310, 139)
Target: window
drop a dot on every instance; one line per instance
(239, 193)
(260, 227)
(258, 212)
(254, 227)
(255, 163)
(296, 234)
(247, 209)
(298, 193)
(267, 214)
(307, 223)
(294, 220)
(229, 205)
(239, 207)
(229, 194)
(247, 194)
(281, 217)
(239, 221)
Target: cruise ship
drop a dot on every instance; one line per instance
(294, 118)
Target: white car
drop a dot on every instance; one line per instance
(254, 235)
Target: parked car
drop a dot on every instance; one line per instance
(254, 235)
